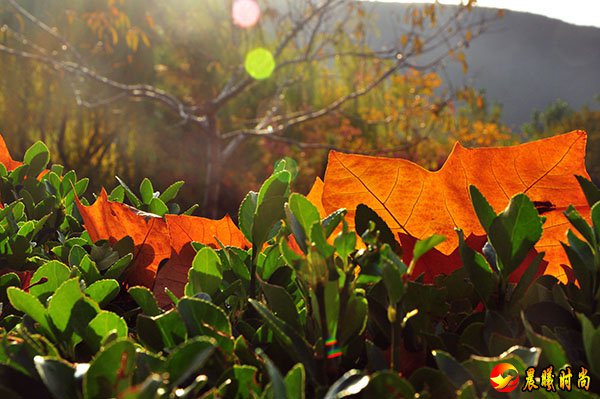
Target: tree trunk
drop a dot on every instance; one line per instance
(214, 169)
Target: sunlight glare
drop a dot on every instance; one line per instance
(259, 63)
(245, 13)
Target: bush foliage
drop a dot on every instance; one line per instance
(311, 310)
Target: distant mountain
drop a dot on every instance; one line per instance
(524, 61)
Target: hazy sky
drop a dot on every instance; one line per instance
(579, 12)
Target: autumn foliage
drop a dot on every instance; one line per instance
(360, 284)
(417, 203)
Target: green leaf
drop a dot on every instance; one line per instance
(345, 243)
(30, 305)
(526, 280)
(591, 192)
(246, 213)
(103, 291)
(246, 377)
(390, 384)
(145, 299)
(364, 215)
(101, 326)
(61, 304)
(304, 211)
(288, 164)
(135, 201)
(591, 343)
(269, 212)
(189, 358)
(277, 384)
(355, 321)
(158, 207)
(37, 156)
(9, 280)
(296, 228)
(55, 273)
(89, 270)
(289, 338)
(117, 194)
(76, 254)
(483, 278)
(204, 318)
(146, 191)
(278, 185)
(425, 245)
(331, 222)
(595, 213)
(455, 371)
(392, 278)
(57, 375)
(484, 211)
(552, 351)
(116, 270)
(467, 391)
(319, 240)
(282, 304)
(205, 274)
(171, 192)
(351, 383)
(580, 224)
(514, 232)
(164, 331)
(110, 371)
(295, 382)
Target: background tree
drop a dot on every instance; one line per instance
(560, 117)
(88, 62)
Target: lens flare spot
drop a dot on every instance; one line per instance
(245, 13)
(259, 63)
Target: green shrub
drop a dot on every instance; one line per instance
(332, 319)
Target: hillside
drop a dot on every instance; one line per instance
(524, 61)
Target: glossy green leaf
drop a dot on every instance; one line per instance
(205, 274)
(110, 371)
(146, 191)
(246, 213)
(158, 207)
(385, 384)
(145, 300)
(455, 371)
(161, 332)
(55, 273)
(304, 211)
(171, 192)
(103, 291)
(351, 383)
(282, 304)
(277, 384)
(189, 358)
(515, 231)
(425, 245)
(57, 375)
(591, 192)
(289, 338)
(295, 381)
(204, 318)
(277, 185)
(484, 211)
(30, 305)
(116, 270)
(101, 326)
(483, 278)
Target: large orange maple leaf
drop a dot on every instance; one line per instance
(417, 203)
(5, 157)
(156, 239)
